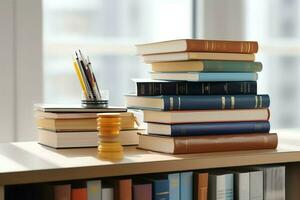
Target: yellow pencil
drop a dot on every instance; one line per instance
(79, 75)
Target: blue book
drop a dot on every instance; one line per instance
(197, 129)
(160, 187)
(186, 185)
(174, 186)
(204, 76)
(196, 102)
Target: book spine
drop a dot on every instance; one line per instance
(222, 46)
(219, 128)
(196, 88)
(94, 189)
(229, 187)
(123, 189)
(142, 191)
(200, 186)
(220, 143)
(231, 66)
(256, 185)
(174, 186)
(216, 102)
(161, 189)
(242, 187)
(186, 185)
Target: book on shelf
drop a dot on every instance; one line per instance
(256, 184)
(197, 102)
(185, 56)
(198, 45)
(62, 192)
(186, 185)
(79, 191)
(83, 139)
(204, 76)
(200, 185)
(122, 189)
(214, 128)
(208, 143)
(221, 185)
(107, 192)
(77, 108)
(159, 87)
(94, 189)
(207, 66)
(160, 186)
(174, 186)
(199, 116)
(141, 190)
(79, 124)
(241, 184)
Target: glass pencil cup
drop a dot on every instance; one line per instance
(102, 103)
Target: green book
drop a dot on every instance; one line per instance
(207, 66)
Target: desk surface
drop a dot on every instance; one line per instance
(28, 162)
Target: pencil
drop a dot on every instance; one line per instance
(80, 78)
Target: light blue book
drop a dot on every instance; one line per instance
(174, 186)
(221, 185)
(186, 185)
(204, 76)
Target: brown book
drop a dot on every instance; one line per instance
(79, 194)
(123, 189)
(208, 143)
(62, 192)
(197, 45)
(200, 186)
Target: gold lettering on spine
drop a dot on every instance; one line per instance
(171, 103)
(260, 101)
(232, 102)
(179, 103)
(256, 102)
(223, 102)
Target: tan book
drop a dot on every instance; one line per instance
(198, 45)
(66, 115)
(184, 56)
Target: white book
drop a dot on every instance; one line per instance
(221, 186)
(256, 185)
(107, 194)
(83, 139)
(94, 190)
(242, 185)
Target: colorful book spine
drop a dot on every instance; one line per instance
(215, 102)
(174, 186)
(123, 189)
(200, 185)
(160, 189)
(230, 66)
(216, 128)
(157, 88)
(142, 191)
(94, 189)
(186, 185)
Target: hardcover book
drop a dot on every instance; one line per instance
(122, 189)
(94, 189)
(200, 185)
(62, 192)
(204, 76)
(186, 185)
(141, 190)
(221, 186)
(207, 66)
(156, 88)
(198, 45)
(174, 186)
(197, 102)
(210, 143)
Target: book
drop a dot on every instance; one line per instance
(78, 124)
(221, 185)
(241, 185)
(186, 185)
(94, 189)
(62, 192)
(107, 193)
(156, 88)
(273, 181)
(65, 108)
(199, 116)
(79, 191)
(198, 45)
(204, 76)
(207, 66)
(200, 185)
(209, 143)
(197, 129)
(174, 186)
(197, 102)
(83, 139)
(122, 189)
(141, 190)
(185, 56)
(160, 187)
(72, 115)
(256, 185)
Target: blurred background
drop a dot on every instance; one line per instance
(44, 34)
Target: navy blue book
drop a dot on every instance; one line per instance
(160, 187)
(208, 128)
(207, 102)
(155, 87)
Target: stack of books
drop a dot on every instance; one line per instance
(202, 97)
(61, 126)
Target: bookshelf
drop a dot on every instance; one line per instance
(29, 162)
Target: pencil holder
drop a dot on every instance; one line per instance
(102, 103)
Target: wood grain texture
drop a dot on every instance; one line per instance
(29, 162)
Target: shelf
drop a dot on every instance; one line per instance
(29, 162)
